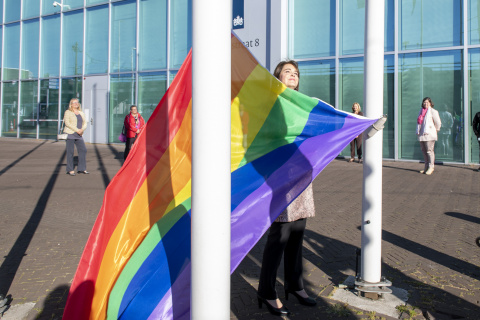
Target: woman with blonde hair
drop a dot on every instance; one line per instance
(75, 125)
(358, 140)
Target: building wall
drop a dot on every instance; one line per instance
(49, 54)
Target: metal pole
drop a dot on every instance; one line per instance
(372, 167)
(211, 83)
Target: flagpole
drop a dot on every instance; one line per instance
(211, 83)
(371, 280)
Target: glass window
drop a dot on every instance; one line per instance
(173, 73)
(437, 75)
(351, 83)
(96, 40)
(72, 4)
(29, 58)
(28, 109)
(430, 24)
(151, 88)
(48, 7)
(1, 11)
(48, 109)
(72, 44)
(474, 97)
(31, 8)
(71, 88)
(313, 28)
(389, 25)
(153, 23)
(124, 31)
(180, 31)
(350, 87)
(50, 47)
(89, 2)
(12, 10)
(352, 27)
(122, 96)
(317, 79)
(1, 36)
(11, 52)
(389, 107)
(474, 21)
(9, 109)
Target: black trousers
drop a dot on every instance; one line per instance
(358, 142)
(128, 146)
(284, 238)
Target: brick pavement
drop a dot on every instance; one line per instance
(430, 224)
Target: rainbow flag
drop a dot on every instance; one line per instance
(136, 263)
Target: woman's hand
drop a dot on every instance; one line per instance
(80, 132)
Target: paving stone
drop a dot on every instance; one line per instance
(430, 224)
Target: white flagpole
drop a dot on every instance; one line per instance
(211, 82)
(371, 253)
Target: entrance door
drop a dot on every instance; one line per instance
(95, 106)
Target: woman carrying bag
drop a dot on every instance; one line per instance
(75, 125)
(133, 124)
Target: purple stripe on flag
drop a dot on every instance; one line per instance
(253, 216)
(180, 291)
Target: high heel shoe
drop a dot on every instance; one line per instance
(283, 311)
(304, 301)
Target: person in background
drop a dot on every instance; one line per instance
(75, 125)
(476, 130)
(444, 135)
(286, 233)
(358, 140)
(428, 123)
(134, 123)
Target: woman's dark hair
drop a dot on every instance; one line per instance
(427, 99)
(133, 106)
(279, 68)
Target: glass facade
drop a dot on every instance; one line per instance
(432, 48)
(431, 57)
(47, 51)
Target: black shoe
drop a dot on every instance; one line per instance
(71, 173)
(304, 301)
(84, 172)
(283, 311)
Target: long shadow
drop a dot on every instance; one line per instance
(11, 165)
(441, 258)
(12, 261)
(105, 177)
(463, 216)
(117, 154)
(333, 256)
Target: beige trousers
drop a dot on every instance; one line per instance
(428, 153)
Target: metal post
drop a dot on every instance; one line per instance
(370, 270)
(211, 82)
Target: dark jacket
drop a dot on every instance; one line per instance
(476, 124)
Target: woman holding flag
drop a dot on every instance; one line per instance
(286, 232)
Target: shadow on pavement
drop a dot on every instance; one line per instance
(12, 261)
(54, 304)
(20, 159)
(463, 216)
(103, 170)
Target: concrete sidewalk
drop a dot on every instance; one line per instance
(429, 228)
